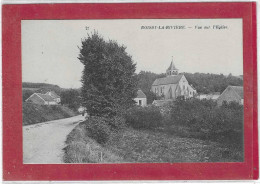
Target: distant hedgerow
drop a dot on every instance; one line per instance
(144, 117)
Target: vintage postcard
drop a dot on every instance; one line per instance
(152, 91)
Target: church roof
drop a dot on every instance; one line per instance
(140, 94)
(173, 79)
(172, 66)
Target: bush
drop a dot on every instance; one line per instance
(117, 123)
(192, 113)
(144, 117)
(98, 128)
(34, 113)
(206, 120)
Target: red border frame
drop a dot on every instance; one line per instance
(14, 169)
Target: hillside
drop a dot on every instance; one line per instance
(33, 113)
(38, 85)
(28, 88)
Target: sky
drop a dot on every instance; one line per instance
(50, 47)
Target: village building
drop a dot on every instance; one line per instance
(41, 99)
(54, 96)
(232, 94)
(173, 85)
(141, 98)
(211, 96)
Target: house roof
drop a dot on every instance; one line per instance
(53, 94)
(172, 66)
(140, 94)
(191, 87)
(172, 79)
(45, 97)
(239, 90)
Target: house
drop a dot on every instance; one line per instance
(202, 96)
(141, 98)
(211, 96)
(173, 85)
(162, 102)
(214, 96)
(54, 96)
(41, 99)
(232, 94)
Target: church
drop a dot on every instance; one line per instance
(173, 85)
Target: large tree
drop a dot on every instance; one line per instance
(109, 83)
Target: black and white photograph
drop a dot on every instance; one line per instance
(132, 91)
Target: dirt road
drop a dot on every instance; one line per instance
(43, 142)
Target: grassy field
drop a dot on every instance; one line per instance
(144, 146)
(34, 113)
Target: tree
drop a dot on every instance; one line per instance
(208, 83)
(145, 81)
(71, 97)
(150, 97)
(108, 80)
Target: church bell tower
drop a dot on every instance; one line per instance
(172, 70)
